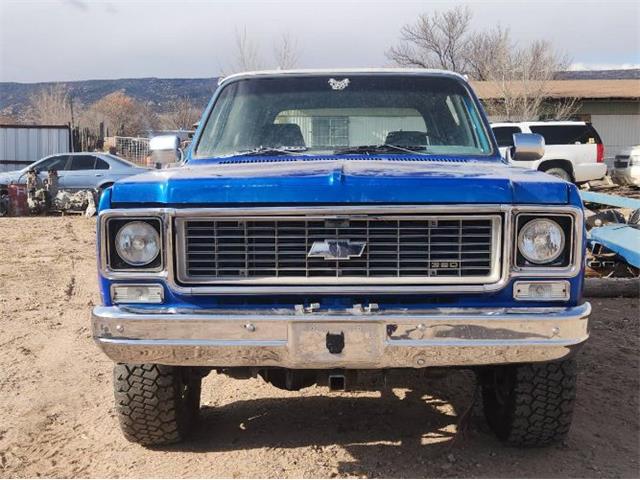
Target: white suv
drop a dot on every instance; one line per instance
(573, 150)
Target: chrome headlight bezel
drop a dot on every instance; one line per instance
(115, 260)
(564, 256)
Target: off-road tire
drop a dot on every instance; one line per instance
(156, 404)
(560, 173)
(532, 404)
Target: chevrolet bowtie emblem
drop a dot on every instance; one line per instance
(336, 249)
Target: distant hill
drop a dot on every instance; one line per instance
(14, 97)
(628, 74)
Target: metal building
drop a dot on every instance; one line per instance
(611, 105)
(21, 145)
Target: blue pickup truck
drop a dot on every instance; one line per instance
(327, 226)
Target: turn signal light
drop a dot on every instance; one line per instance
(137, 293)
(541, 291)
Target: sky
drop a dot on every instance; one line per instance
(66, 40)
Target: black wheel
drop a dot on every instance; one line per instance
(560, 173)
(531, 404)
(156, 404)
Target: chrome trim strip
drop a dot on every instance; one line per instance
(542, 268)
(177, 314)
(133, 268)
(494, 274)
(103, 252)
(167, 214)
(576, 259)
(340, 72)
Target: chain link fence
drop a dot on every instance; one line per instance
(134, 149)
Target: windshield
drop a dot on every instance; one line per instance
(305, 115)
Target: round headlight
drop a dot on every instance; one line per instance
(541, 241)
(137, 243)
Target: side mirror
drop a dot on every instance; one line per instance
(165, 150)
(527, 147)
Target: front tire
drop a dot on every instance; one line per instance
(532, 404)
(156, 404)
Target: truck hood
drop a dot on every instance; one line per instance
(334, 181)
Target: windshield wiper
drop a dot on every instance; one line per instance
(383, 148)
(267, 151)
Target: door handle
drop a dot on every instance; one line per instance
(99, 175)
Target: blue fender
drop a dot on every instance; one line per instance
(621, 239)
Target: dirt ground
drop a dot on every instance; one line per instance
(57, 415)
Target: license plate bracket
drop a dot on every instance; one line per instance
(316, 343)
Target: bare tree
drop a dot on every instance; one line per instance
(8, 119)
(182, 114)
(246, 55)
(563, 109)
(123, 115)
(51, 105)
(286, 52)
(436, 41)
(147, 119)
(521, 75)
(485, 50)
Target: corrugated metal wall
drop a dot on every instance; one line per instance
(617, 131)
(20, 146)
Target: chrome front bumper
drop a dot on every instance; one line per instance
(389, 339)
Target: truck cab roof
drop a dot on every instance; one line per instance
(341, 71)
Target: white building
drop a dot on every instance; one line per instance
(21, 145)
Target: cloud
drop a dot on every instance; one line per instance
(580, 66)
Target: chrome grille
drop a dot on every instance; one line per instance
(399, 249)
